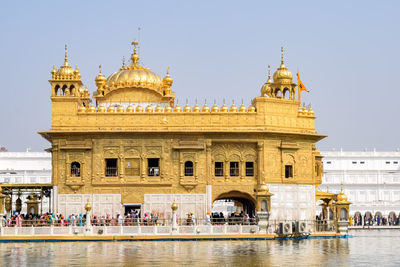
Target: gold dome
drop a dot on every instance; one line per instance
(149, 109)
(242, 108)
(206, 108)
(81, 109)
(233, 108)
(252, 109)
(135, 75)
(158, 109)
(101, 109)
(224, 108)
(196, 109)
(100, 79)
(263, 188)
(177, 108)
(88, 207)
(167, 81)
(186, 108)
(139, 109)
(283, 74)
(66, 72)
(130, 109)
(120, 109)
(174, 206)
(214, 108)
(111, 109)
(91, 109)
(168, 109)
(341, 197)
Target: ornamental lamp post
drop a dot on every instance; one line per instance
(174, 207)
(88, 208)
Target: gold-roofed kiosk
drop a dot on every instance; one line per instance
(136, 148)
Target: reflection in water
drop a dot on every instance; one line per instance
(332, 252)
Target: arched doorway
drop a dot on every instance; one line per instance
(368, 220)
(357, 220)
(392, 219)
(236, 202)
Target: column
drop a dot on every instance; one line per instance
(260, 162)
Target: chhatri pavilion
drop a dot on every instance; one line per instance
(129, 145)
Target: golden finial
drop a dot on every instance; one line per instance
(66, 56)
(135, 56)
(100, 68)
(282, 55)
(168, 70)
(341, 187)
(269, 71)
(123, 62)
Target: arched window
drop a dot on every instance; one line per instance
(286, 93)
(188, 168)
(264, 205)
(343, 214)
(278, 93)
(75, 169)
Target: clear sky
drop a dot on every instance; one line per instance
(347, 53)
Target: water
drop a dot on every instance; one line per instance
(357, 251)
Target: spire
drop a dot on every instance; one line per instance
(100, 68)
(341, 187)
(66, 56)
(123, 62)
(282, 55)
(269, 71)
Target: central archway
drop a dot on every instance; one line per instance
(242, 202)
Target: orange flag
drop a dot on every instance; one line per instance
(301, 87)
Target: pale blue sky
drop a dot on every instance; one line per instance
(347, 53)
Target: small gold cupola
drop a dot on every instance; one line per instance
(100, 82)
(283, 74)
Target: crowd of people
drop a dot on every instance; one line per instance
(377, 220)
(132, 218)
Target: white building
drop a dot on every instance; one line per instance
(25, 171)
(371, 180)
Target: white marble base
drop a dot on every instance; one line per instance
(292, 202)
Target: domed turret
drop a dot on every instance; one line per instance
(341, 197)
(167, 83)
(282, 74)
(266, 89)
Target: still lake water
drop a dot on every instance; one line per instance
(373, 249)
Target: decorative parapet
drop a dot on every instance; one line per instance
(305, 112)
(158, 109)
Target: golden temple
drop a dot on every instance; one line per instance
(131, 145)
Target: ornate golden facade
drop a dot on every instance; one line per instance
(135, 140)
